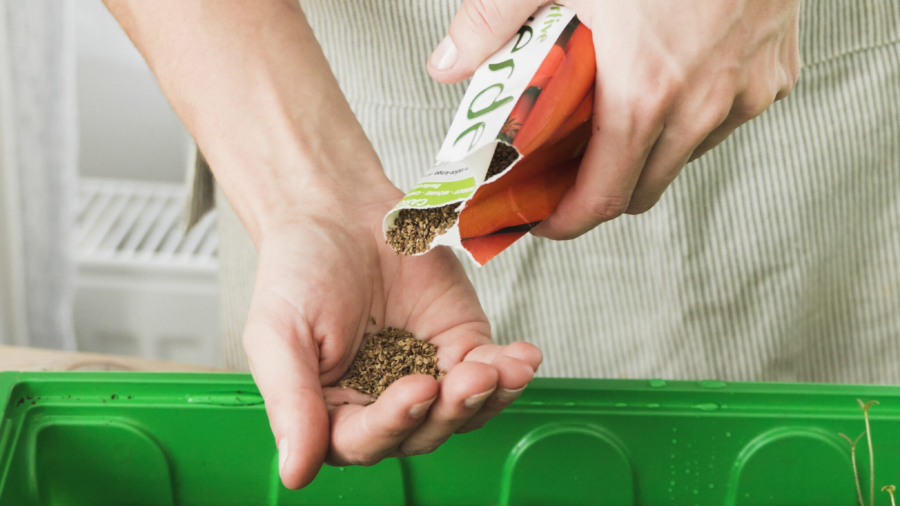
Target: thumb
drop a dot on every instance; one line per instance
(480, 28)
(286, 370)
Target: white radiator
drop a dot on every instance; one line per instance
(145, 288)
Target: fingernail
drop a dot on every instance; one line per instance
(477, 400)
(504, 395)
(421, 408)
(445, 55)
(282, 454)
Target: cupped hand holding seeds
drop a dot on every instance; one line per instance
(297, 168)
(673, 80)
(323, 283)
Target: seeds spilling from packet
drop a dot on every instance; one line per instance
(504, 156)
(388, 356)
(509, 163)
(414, 229)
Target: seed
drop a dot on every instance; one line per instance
(503, 157)
(388, 356)
(414, 229)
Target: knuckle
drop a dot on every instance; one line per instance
(752, 107)
(654, 100)
(631, 111)
(607, 208)
(482, 15)
(640, 206)
(714, 117)
(470, 427)
(564, 234)
(793, 76)
(568, 235)
(420, 449)
(527, 352)
(648, 109)
(392, 432)
(704, 123)
(364, 460)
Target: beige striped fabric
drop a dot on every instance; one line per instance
(774, 257)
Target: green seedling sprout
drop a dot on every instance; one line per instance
(853, 461)
(868, 433)
(890, 489)
(865, 407)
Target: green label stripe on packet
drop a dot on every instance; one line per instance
(428, 194)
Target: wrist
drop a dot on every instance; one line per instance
(269, 195)
(356, 204)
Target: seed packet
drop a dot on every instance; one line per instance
(513, 148)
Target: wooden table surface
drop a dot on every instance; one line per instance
(14, 358)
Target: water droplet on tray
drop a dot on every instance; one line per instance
(707, 406)
(621, 405)
(727, 434)
(657, 383)
(674, 441)
(711, 384)
(653, 405)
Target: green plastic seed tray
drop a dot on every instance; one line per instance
(98, 439)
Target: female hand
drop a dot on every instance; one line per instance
(674, 79)
(306, 183)
(322, 277)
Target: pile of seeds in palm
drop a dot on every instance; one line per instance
(414, 229)
(388, 356)
(503, 157)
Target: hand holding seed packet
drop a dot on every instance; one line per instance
(513, 148)
(554, 137)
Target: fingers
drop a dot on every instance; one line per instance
(286, 372)
(715, 138)
(514, 376)
(626, 127)
(454, 345)
(639, 149)
(365, 435)
(480, 28)
(526, 352)
(673, 150)
(746, 106)
(415, 415)
(757, 98)
(464, 390)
